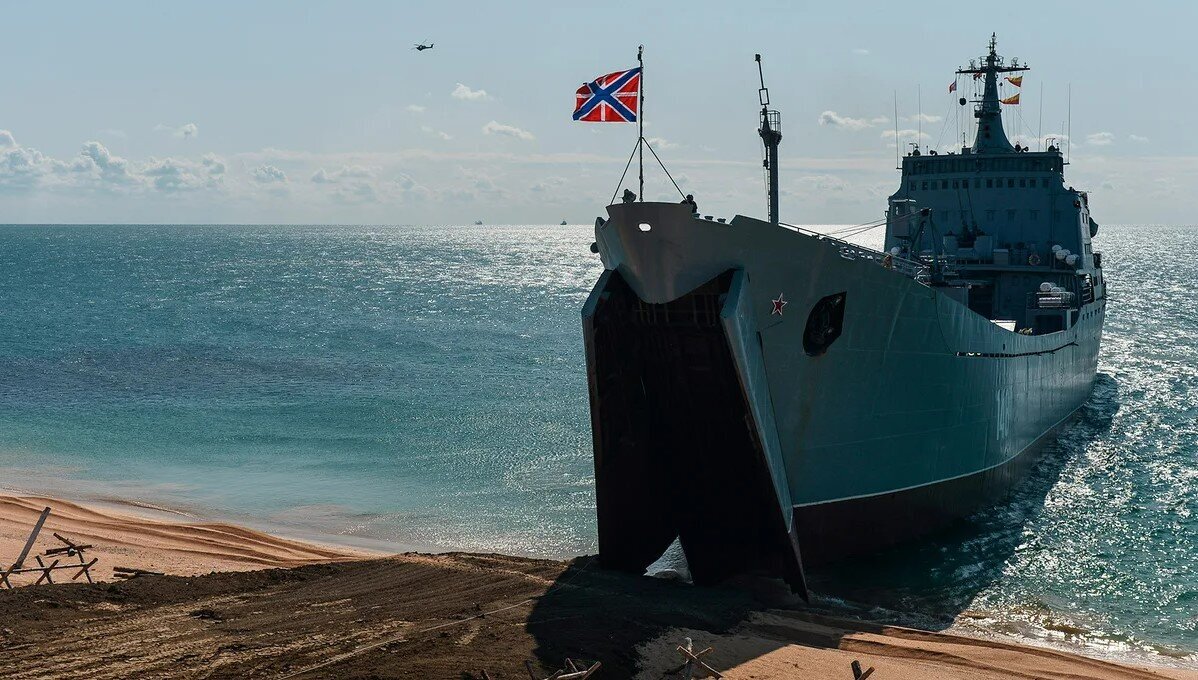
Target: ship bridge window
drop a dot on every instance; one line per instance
(824, 324)
(912, 185)
(1044, 183)
(1011, 183)
(1022, 183)
(944, 184)
(956, 184)
(990, 215)
(989, 183)
(925, 186)
(1034, 214)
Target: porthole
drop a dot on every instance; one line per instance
(644, 226)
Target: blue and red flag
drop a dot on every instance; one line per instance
(613, 98)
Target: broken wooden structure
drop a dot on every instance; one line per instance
(573, 670)
(69, 549)
(693, 665)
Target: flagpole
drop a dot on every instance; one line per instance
(640, 122)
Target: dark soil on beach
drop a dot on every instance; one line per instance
(410, 616)
(466, 617)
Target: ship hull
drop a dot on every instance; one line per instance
(837, 530)
(876, 408)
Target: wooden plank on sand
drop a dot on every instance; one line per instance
(37, 528)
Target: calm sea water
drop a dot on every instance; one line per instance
(424, 387)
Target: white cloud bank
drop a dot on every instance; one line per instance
(96, 168)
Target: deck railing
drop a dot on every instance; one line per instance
(852, 251)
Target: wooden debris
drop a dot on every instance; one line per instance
(857, 674)
(70, 548)
(573, 670)
(129, 572)
(45, 570)
(37, 529)
(84, 569)
(693, 663)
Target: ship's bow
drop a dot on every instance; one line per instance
(684, 436)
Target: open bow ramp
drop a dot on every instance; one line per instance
(685, 442)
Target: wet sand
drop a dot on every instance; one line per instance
(277, 608)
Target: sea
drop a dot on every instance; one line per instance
(424, 388)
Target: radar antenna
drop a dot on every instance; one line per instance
(771, 136)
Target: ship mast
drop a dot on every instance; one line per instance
(771, 136)
(990, 138)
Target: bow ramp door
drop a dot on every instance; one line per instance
(685, 444)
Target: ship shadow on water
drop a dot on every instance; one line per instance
(927, 584)
(594, 614)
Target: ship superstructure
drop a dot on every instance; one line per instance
(772, 396)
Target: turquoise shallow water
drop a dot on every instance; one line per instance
(424, 387)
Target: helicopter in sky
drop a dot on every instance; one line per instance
(420, 47)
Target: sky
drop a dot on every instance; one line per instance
(320, 112)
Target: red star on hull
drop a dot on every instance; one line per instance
(778, 305)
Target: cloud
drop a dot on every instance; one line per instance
(184, 131)
(906, 136)
(833, 119)
(21, 167)
(548, 184)
(925, 117)
(444, 136)
(414, 108)
(97, 160)
(172, 175)
(1100, 139)
(464, 92)
(861, 50)
(662, 143)
(496, 128)
(356, 192)
(268, 174)
(322, 176)
(1137, 138)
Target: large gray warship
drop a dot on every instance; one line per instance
(774, 397)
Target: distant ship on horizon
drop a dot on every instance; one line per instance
(772, 397)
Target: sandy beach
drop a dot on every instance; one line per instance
(238, 603)
(135, 540)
